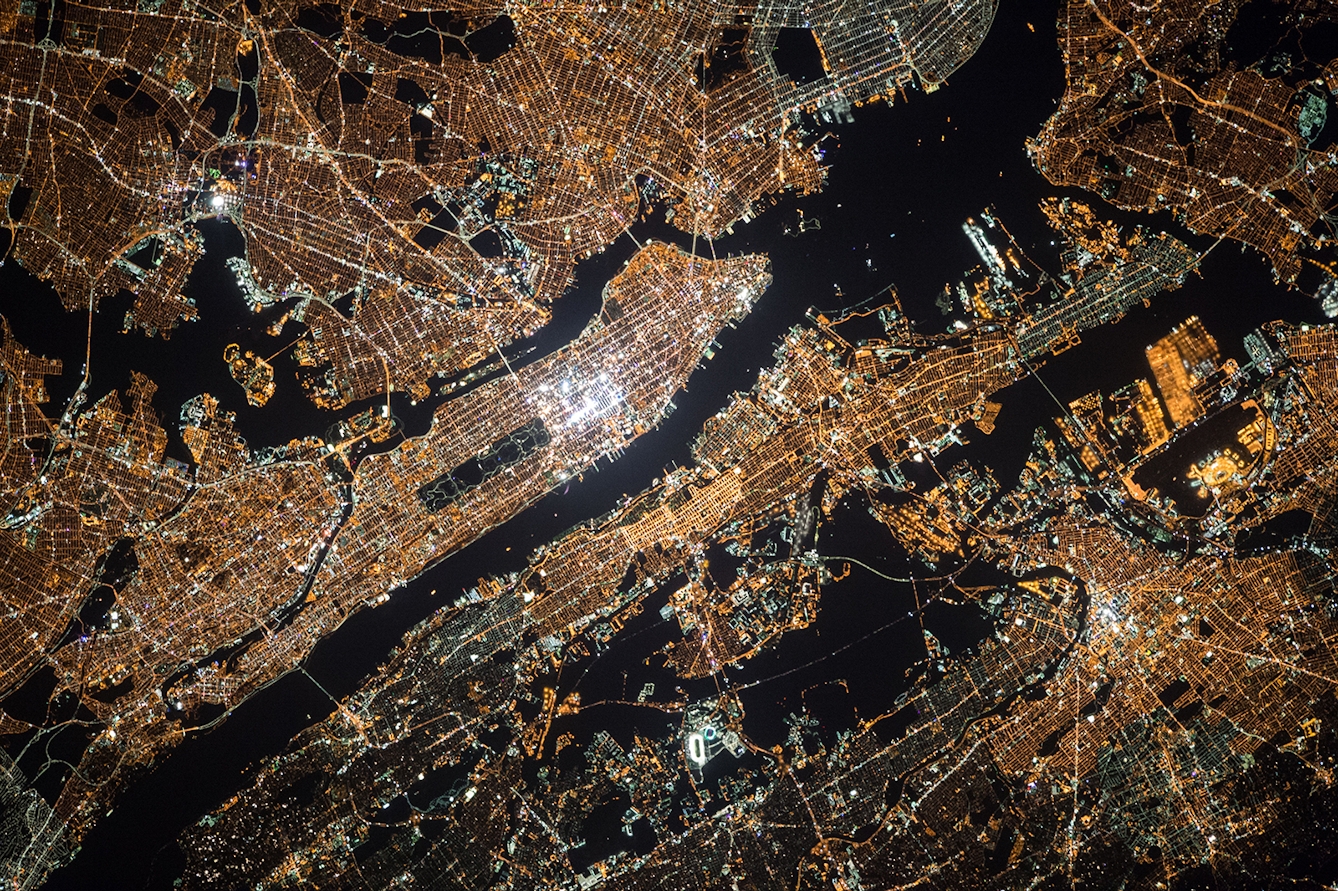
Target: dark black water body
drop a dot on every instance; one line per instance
(902, 181)
(188, 363)
(868, 633)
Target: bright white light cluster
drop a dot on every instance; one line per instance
(598, 398)
(699, 745)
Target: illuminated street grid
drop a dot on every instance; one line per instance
(440, 195)
(245, 564)
(416, 204)
(456, 188)
(1149, 690)
(1126, 692)
(1154, 117)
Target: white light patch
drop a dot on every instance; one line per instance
(597, 399)
(697, 749)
